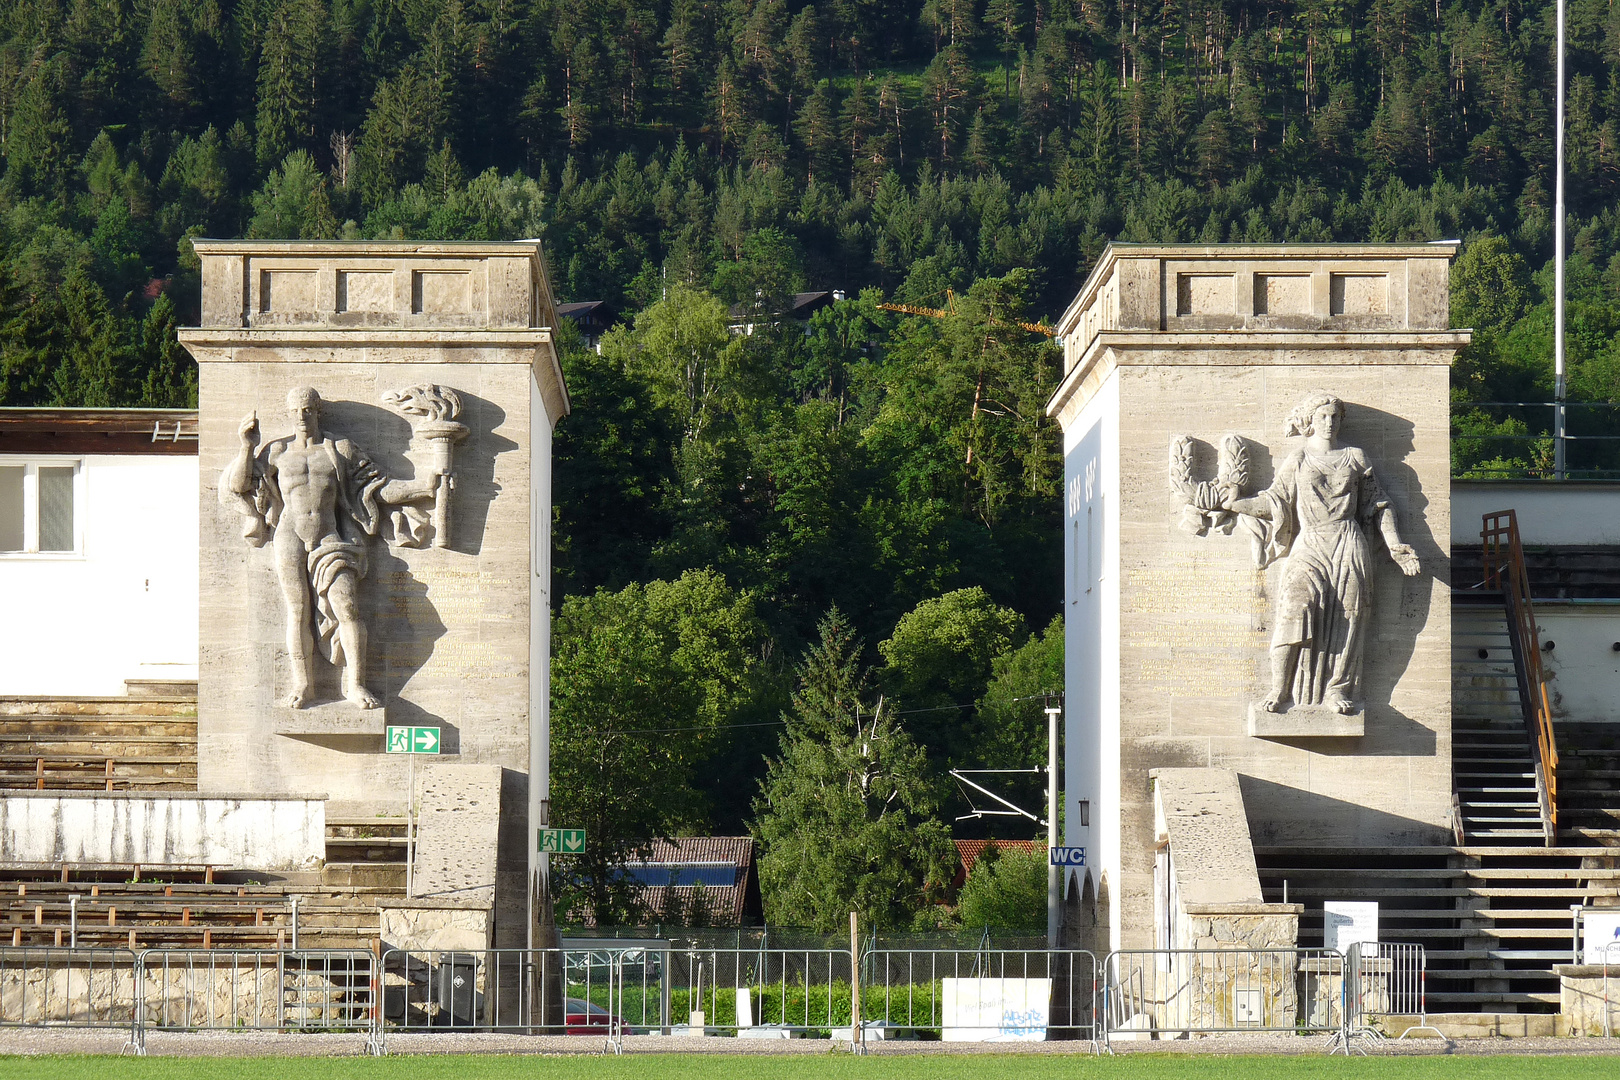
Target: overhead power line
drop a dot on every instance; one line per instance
(779, 723)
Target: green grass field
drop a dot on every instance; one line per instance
(816, 1067)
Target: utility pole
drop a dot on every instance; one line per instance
(1053, 873)
(1559, 388)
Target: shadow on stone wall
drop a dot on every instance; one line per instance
(1280, 814)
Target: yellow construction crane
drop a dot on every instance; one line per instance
(950, 309)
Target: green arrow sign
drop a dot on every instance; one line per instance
(561, 841)
(412, 740)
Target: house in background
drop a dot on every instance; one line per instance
(701, 880)
(593, 317)
(968, 852)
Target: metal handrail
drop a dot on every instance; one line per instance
(1504, 570)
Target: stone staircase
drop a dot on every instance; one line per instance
(366, 853)
(1493, 911)
(148, 742)
(1589, 784)
(115, 907)
(135, 743)
(1493, 774)
(1493, 919)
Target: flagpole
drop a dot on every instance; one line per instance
(1559, 387)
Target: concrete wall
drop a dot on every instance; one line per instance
(1584, 667)
(1207, 889)
(1091, 635)
(1578, 513)
(245, 832)
(125, 606)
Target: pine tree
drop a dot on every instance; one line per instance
(847, 819)
(178, 53)
(40, 136)
(170, 381)
(857, 123)
(1005, 19)
(407, 118)
(817, 130)
(948, 90)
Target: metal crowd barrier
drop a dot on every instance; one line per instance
(80, 988)
(1151, 993)
(981, 995)
(611, 989)
(188, 990)
(1384, 979)
(1611, 956)
(257, 990)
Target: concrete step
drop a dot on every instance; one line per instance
(1379, 855)
(107, 707)
(1460, 873)
(1417, 933)
(1454, 997)
(376, 875)
(162, 689)
(1550, 955)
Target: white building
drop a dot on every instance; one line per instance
(98, 549)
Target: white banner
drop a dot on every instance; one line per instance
(996, 1010)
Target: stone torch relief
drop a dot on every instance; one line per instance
(1319, 519)
(318, 500)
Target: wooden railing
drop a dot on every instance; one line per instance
(1504, 570)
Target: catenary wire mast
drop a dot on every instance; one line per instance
(1559, 464)
(1054, 881)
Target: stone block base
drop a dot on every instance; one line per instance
(1586, 994)
(329, 718)
(1306, 722)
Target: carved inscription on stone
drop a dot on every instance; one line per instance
(461, 659)
(455, 596)
(1191, 606)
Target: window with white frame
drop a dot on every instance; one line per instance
(39, 512)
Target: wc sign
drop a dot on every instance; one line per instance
(1068, 856)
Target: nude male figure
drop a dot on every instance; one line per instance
(319, 496)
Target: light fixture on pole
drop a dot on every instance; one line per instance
(1054, 872)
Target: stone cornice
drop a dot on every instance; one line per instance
(370, 345)
(1114, 349)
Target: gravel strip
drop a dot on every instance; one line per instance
(274, 1044)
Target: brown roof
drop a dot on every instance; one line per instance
(736, 850)
(968, 852)
(724, 865)
(98, 431)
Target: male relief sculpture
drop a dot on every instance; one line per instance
(319, 501)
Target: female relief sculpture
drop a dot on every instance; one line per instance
(1319, 513)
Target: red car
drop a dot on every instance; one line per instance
(581, 1017)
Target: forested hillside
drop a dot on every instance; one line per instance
(680, 157)
(753, 143)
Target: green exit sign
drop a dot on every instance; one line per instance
(561, 841)
(412, 740)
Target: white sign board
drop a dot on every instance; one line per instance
(1349, 922)
(745, 1007)
(1602, 931)
(995, 1010)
